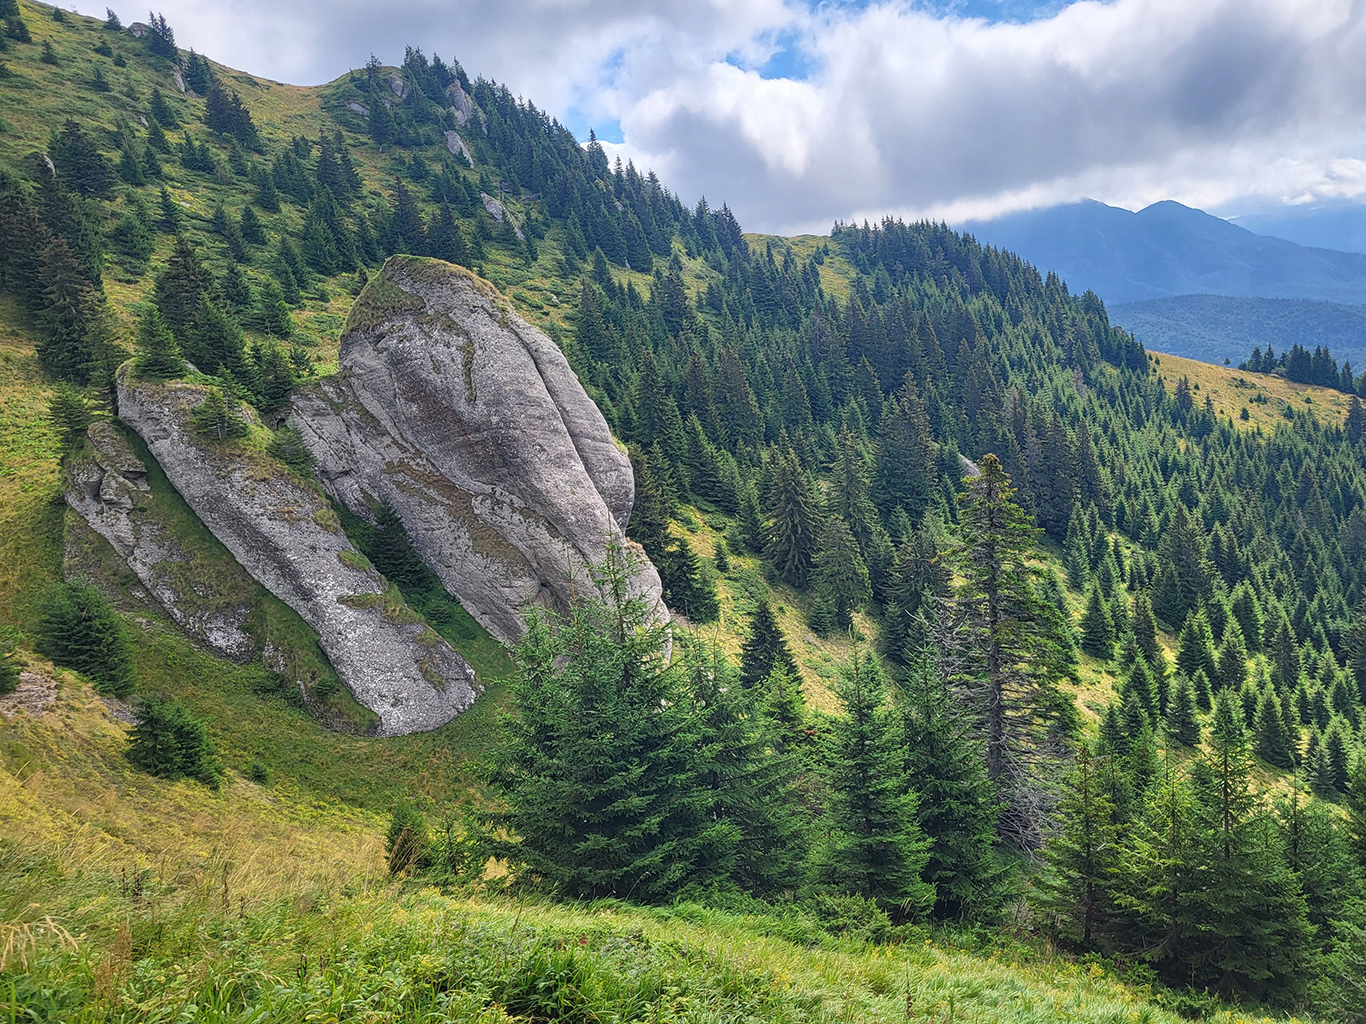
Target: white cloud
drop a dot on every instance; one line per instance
(1212, 102)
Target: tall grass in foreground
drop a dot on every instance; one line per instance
(220, 944)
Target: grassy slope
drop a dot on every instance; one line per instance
(1263, 395)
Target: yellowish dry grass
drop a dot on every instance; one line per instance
(1233, 390)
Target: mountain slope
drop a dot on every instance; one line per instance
(1168, 249)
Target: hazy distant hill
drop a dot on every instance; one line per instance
(1168, 249)
(1215, 327)
(1340, 226)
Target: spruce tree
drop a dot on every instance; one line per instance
(1144, 628)
(1231, 658)
(1082, 859)
(1270, 740)
(1015, 649)
(1284, 650)
(874, 846)
(168, 742)
(1182, 724)
(392, 552)
(764, 649)
(753, 783)
(158, 355)
(1195, 647)
(1252, 935)
(79, 629)
(839, 578)
(958, 806)
(600, 772)
(794, 520)
(1097, 632)
(1076, 551)
(217, 419)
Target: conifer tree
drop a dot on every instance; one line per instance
(1231, 659)
(958, 807)
(874, 846)
(158, 355)
(794, 520)
(1182, 724)
(79, 629)
(216, 419)
(1183, 571)
(168, 742)
(599, 770)
(1082, 859)
(1097, 632)
(1076, 552)
(752, 782)
(1356, 809)
(391, 550)
(1270, 741)
(1195, 647)
(839, 579)
(1015, 649)
(1144, 628)
(1285, 654)
(764, 649)
(1252, 930)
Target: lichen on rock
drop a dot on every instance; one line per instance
(284, 534)
(106, 483)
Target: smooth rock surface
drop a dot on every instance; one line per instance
(470, 423)
(462, 105)
(285, 535)
(107, 485)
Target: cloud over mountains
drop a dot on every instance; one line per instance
(798, 115)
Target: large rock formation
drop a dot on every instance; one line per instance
(469, 422)
(285, 535)
(107, 484)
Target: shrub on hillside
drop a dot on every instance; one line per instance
(170, 743)
(79, 629)
(407, 842)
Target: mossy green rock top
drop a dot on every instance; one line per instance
(469, 422)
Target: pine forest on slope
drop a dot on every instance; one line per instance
(1156, 596)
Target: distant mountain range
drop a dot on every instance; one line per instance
(1195, 285)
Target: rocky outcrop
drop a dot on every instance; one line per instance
(469, 422)
(107, 484)
(462, 105)
(455, 144)
(284, 534)
(499, 212)
(358, 108)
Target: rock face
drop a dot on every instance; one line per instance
(455, 144)
(469, 422)
(462, 105)
(285, 535)
(107, 485)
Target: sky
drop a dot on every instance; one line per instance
(798, 113)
